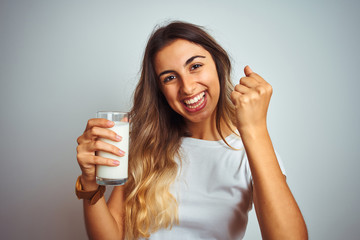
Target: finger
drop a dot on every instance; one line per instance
(249, 82)
(125, 119)
(99, 145)
(99, 122)
(247, 70)
(87, 161)
(80, 139)
(235, 96)
(81, 148)
(250, 73)
(98, 132)
(97, 160)
(240, 88)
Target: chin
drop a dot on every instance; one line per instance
(200, 117)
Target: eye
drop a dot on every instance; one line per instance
(169, 78)
(195, 66)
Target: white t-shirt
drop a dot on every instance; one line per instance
(213, 190)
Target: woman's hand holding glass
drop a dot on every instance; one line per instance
(88, 145)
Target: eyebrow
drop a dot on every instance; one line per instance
(192, 59)
(186, 63)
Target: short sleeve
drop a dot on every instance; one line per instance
(281, 164)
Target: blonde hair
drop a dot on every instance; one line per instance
(156, 133)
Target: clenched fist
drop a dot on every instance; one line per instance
(251, 98)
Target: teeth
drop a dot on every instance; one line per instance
(197, 104)
(195, 99)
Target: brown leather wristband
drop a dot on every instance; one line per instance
(92, 196)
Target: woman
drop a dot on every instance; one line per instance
(191, 175)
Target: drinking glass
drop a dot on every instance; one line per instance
(117, 175)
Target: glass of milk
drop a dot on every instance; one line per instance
(106, 175)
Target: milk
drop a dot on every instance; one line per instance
(109, 175)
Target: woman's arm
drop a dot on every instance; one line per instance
(103, 221)
(277, 211)
(278, 214)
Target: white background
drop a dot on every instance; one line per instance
(61, 61)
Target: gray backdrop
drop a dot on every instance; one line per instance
(61, 61)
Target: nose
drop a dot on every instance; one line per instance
(188, 85)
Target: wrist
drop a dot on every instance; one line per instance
(255, 138)
(92, 196)
(88, 184)
(253, 131)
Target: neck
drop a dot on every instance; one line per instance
(206, 130)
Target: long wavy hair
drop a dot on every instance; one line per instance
(156, 132)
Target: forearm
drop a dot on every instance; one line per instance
(99, 222)
(278, 213)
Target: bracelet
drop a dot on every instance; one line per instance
(92, 196)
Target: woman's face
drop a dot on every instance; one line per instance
(188, 79)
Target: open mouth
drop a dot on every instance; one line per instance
(195, 103)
